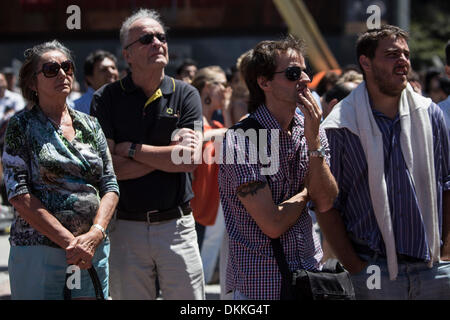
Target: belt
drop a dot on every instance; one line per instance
(156, 215)
(401, 258)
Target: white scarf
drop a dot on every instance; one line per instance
(416, 141)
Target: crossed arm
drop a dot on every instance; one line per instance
(149, 158)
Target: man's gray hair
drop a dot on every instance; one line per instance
(141, 13)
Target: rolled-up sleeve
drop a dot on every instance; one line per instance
(240, 164)
(16, 159)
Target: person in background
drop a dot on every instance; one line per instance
(336, 94)
(10, 103)
(327, 82)
(414, 81)
(445, 104)
(10, 76)
(351, 76)
(215, 95)
(440, 88)
(186, 71)
(239, 97)
(100, 68)
(59, 177)
(75, 93)
(431, 84)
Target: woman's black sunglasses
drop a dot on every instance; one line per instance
(293, 73)
(51, 69)
(148, 38)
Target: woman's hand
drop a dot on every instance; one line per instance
(81, 249)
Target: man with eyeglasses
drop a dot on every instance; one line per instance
(260, 205)
(154, 234)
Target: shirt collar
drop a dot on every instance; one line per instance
(167, 85)
(268, 121)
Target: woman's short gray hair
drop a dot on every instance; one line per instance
(141, 13)
(27, 73)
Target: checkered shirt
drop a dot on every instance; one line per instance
(252, 268)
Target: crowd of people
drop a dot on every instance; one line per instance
(362, 155)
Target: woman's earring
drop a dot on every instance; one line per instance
(208, 100)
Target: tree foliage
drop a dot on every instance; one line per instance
(429, 31)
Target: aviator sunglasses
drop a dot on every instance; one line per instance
(293, 73)
(148, 38)
(51, 69)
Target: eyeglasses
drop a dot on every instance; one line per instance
(148, 38)
(293, 73)
(51, 69)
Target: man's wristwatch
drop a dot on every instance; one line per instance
(319, 153)
(132, 151)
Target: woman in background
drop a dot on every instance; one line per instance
(215, 94)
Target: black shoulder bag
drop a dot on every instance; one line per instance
(95, 282)
(332, 283)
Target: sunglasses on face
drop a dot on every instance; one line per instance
(51, 69)
(148, 38)
(293, 73)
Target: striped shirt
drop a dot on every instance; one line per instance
(252, 267)
(349, 166)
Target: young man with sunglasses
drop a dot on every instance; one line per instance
(259, 206)
(390, 225)
(154, 234)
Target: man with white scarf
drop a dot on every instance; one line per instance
(390, 225)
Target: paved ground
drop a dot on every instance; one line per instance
(212, 291)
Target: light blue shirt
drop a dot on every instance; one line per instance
(83, 103)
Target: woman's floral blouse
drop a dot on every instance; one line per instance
(68, 177)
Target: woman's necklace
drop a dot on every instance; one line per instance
(58, 125)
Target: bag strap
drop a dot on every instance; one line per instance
(95, 281)
(97, 284)
(286, 275)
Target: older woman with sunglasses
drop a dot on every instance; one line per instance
(59, 178)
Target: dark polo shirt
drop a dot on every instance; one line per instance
(127, 114)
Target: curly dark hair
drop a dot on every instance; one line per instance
(367, 42)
